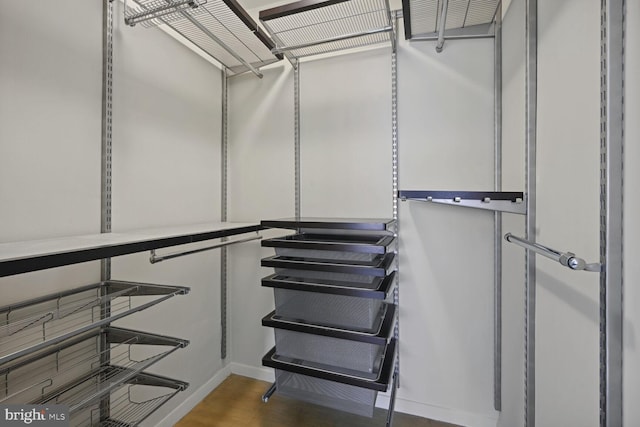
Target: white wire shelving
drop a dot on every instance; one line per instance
(220, 28)
(313, 27)
(448, 19)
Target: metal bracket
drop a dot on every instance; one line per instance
(510, 202)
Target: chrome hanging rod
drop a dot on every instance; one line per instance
(568, 259)
(153, 259)
(284, 49)
(442, 21)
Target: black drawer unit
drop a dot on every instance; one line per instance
(334, 319)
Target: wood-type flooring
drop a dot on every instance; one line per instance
(237, 403)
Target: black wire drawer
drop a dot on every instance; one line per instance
(367, 287)
(370, 224)
(361, 243)
(378, 266)
(377, 336)
(33, 325)
(378, 380)
(353, 350)
(344, 312)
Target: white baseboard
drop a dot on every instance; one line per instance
(257, 372)
(439, 413)
(196, 397)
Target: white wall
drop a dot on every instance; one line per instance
(446, 366)
(50, 81)
(631, 242)
(568, 212)
(345, 150)
(261, 186)
(166, 157)
(446, 265)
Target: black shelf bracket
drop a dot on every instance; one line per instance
(497, 201)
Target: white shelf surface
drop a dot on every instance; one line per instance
(21, 257)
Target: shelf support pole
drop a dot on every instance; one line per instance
(296, 133)
(611, 211)
(442, 24)
(224, 155)
(531, 99)
(497, 216)
(394, 189)
(105, 175)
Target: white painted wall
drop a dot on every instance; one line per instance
(446, 366)
(568, 212)
(166, 157)
(446, 264)
(631, 242)
(261, 186)
(345, 133)
(50, 81)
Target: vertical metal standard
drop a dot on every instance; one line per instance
(497, 216)
(107, 121)
(296, 130)
(395, 186)
(223, 214)
(105, 174)
(611, 211)
(442, 24)
(531, 89)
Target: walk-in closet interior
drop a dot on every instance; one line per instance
(425, 207)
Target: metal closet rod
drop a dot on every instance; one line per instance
(568, 259)
(153, 259)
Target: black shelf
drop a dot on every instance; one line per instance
(104, 247)
(377, 382)
(378, 337)
(362, 224)
(511, 196)
(497, 201)
(371, 243)
(377, 267)
(378, 288)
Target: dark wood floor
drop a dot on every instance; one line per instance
(237, 403)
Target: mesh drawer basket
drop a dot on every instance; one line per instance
(346, 354)
(343, 397)
(362, 314)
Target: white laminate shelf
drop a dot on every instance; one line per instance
(34, 255)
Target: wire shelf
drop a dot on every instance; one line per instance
(220, 28)
(129, 352)
(422, 18)
(132, 404)
(158, 12)
(307, 28)
(34, 325)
